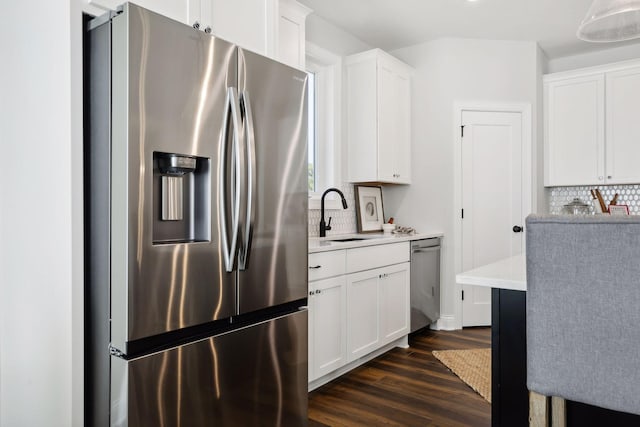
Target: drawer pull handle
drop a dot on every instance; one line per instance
(314, 267)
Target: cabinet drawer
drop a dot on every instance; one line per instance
(326, 264)
(369, 257)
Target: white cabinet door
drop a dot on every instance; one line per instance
(387, 121)
(574, 131)
(394, 302)
(379, 118)
(185, 11)
(393, 123)
(377, 308)
(327, 337)
(363, 300)
(291, 33)
(362, 113)
(623, 126)
(250, 24)
(402, 143)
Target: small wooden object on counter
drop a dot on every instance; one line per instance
(603, 206)
(614, 201)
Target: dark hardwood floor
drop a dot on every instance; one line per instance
(405, 387)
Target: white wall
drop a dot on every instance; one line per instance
(336, 40)
(449, 71)
(611, 52)
(40, 215)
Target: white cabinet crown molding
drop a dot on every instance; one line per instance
(597, 69)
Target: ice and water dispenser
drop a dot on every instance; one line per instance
(182, 195)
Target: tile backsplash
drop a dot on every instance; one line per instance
(344, 220)
(627, 195)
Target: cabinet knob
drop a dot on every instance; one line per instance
(310, 293)
(318, 291)
(207, 30)
(196, 25)
(609, 176)
(600, 178)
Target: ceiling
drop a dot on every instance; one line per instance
(392, 24)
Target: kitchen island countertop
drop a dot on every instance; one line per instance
(509, 273)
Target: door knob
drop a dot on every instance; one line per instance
(517, 229)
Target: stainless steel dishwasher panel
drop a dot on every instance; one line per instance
(425, 282)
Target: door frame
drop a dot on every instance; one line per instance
(527, 179)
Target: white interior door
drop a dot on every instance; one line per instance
(492, 195)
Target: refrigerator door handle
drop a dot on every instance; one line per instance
(249, 139)
(229, 247)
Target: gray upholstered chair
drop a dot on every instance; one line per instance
(583, 312)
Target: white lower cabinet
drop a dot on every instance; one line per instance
(394, 302)
(358, 303)
(327, 334)
(377, 308)
(363, 300)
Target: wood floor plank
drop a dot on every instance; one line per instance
(405, 387)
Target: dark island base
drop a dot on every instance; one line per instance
(509, 394)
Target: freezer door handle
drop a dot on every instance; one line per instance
(250, 152)
(231, 114)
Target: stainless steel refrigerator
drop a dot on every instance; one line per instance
(196, 229)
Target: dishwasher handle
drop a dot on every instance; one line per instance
(425, 250)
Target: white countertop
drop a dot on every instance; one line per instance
(509, 273)
(329, 243)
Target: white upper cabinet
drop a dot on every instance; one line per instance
(250, 24)
(623, 126)
(378, 118)
(574, 143)
(291, 33)
(591, 126)
(274, 28)
(185, 11)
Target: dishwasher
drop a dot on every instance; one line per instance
(425, 282)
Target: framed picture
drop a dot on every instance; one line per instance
(369, 211)
(619, 209)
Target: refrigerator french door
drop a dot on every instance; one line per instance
(196, 213)
(279, 198)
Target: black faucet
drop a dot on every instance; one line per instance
(324, 227)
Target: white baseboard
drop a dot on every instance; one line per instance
(447, 323)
